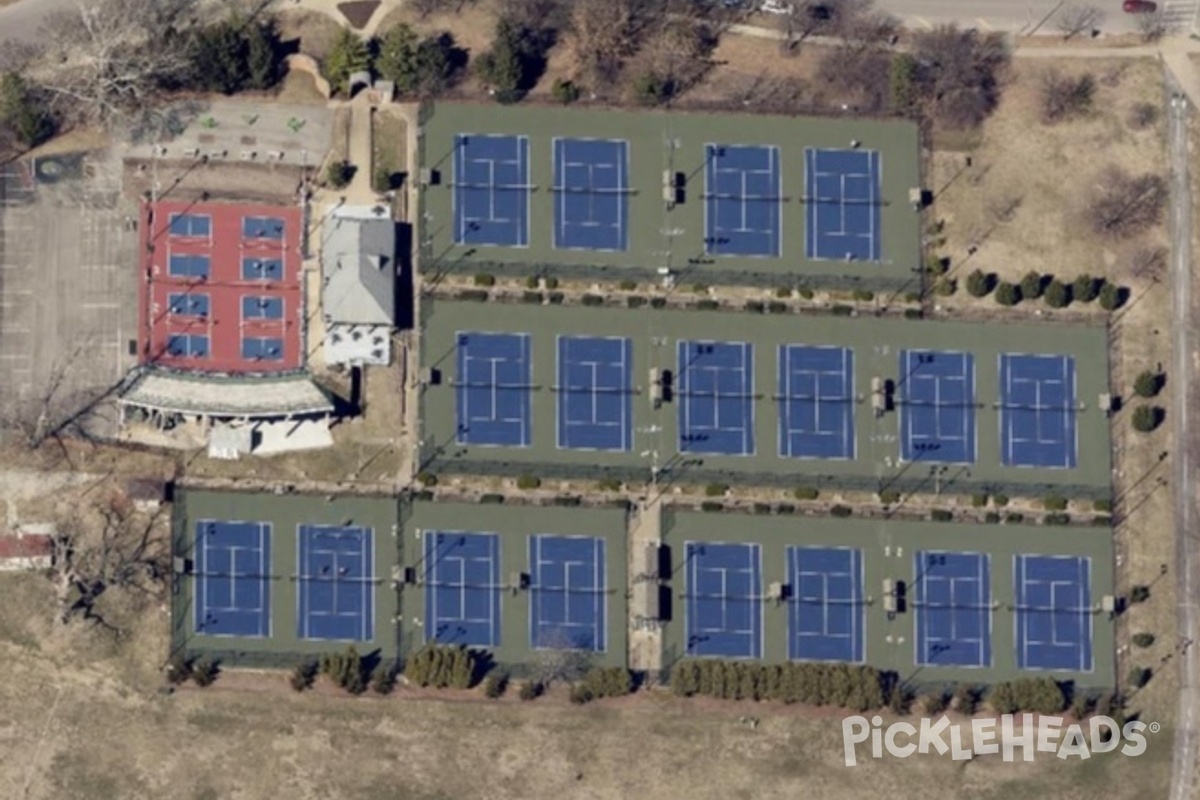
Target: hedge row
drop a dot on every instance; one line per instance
(602, 682)
(442, 667)
(1040, 695)
(855, 688)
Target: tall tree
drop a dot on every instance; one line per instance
(397, 58)
(347, 56)
(108, 58)
(22, 112)
(263, 62)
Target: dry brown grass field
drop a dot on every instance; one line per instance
(82, 717)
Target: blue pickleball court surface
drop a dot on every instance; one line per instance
(337, 583)
(826, 612)
(843, 189)
(953, 595)
(715, 388)
(1038, 411)
(462, 588)
(936, 392)
(816, 402)
(233, 565)
(724, 600)
(591, 200)
(743, 203)
(491, 190)
(493, 389)
(568, 593)
(595, 393)
(1054, 612)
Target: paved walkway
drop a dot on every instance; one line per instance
(330, 7)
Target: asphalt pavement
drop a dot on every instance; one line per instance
(1024, 16)
(1186, 352)
(22, 21)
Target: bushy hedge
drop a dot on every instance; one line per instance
(858, 688)
(602, 682)
(345, 669)
(442, 667)
(1039, 695)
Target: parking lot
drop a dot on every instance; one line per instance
(68, 302)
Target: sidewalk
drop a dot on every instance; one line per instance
(330, 8)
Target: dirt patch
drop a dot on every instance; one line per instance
(390, 141)
(300, 88)
(1013, 202)
(472, 25)
(358, 13)
(313, 31)
(98, 723)
(258, 183)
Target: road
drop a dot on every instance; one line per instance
(22, 21)
(1023, 16)
(1186, 352)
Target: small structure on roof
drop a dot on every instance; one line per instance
(146, 494)
(27, 548)
(359, 279)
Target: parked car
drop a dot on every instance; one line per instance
(1140, 7)
(775, 7)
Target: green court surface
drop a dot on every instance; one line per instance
(888, 549)
(284, 514)
(673, 235)
(513, 526)
(654, 333)
(399, 574)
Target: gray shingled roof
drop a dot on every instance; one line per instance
(358, 264)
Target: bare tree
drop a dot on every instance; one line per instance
(1122, 205)
(1152, 26)
(55, 405)
(959, 73)
(603, 35)
(534, 14)
(111, 57)
(106, 549)
(1065, 96)
(801, 21)
(677, 51)
(1076, 18)
(1148, 262)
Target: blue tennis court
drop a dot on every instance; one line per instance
(462, 588)
(591, 194)
(953, 609)
(233, 566)
(595, 393)
(826, 612)
(743, 203)
(492, 390)
(724, 600)
(1037, 418)
(1054, 612)
(843, 188)
(568, 593)
(337, 583)
(936, 392)
(816, 401)
(491, 190)
(715, 390)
